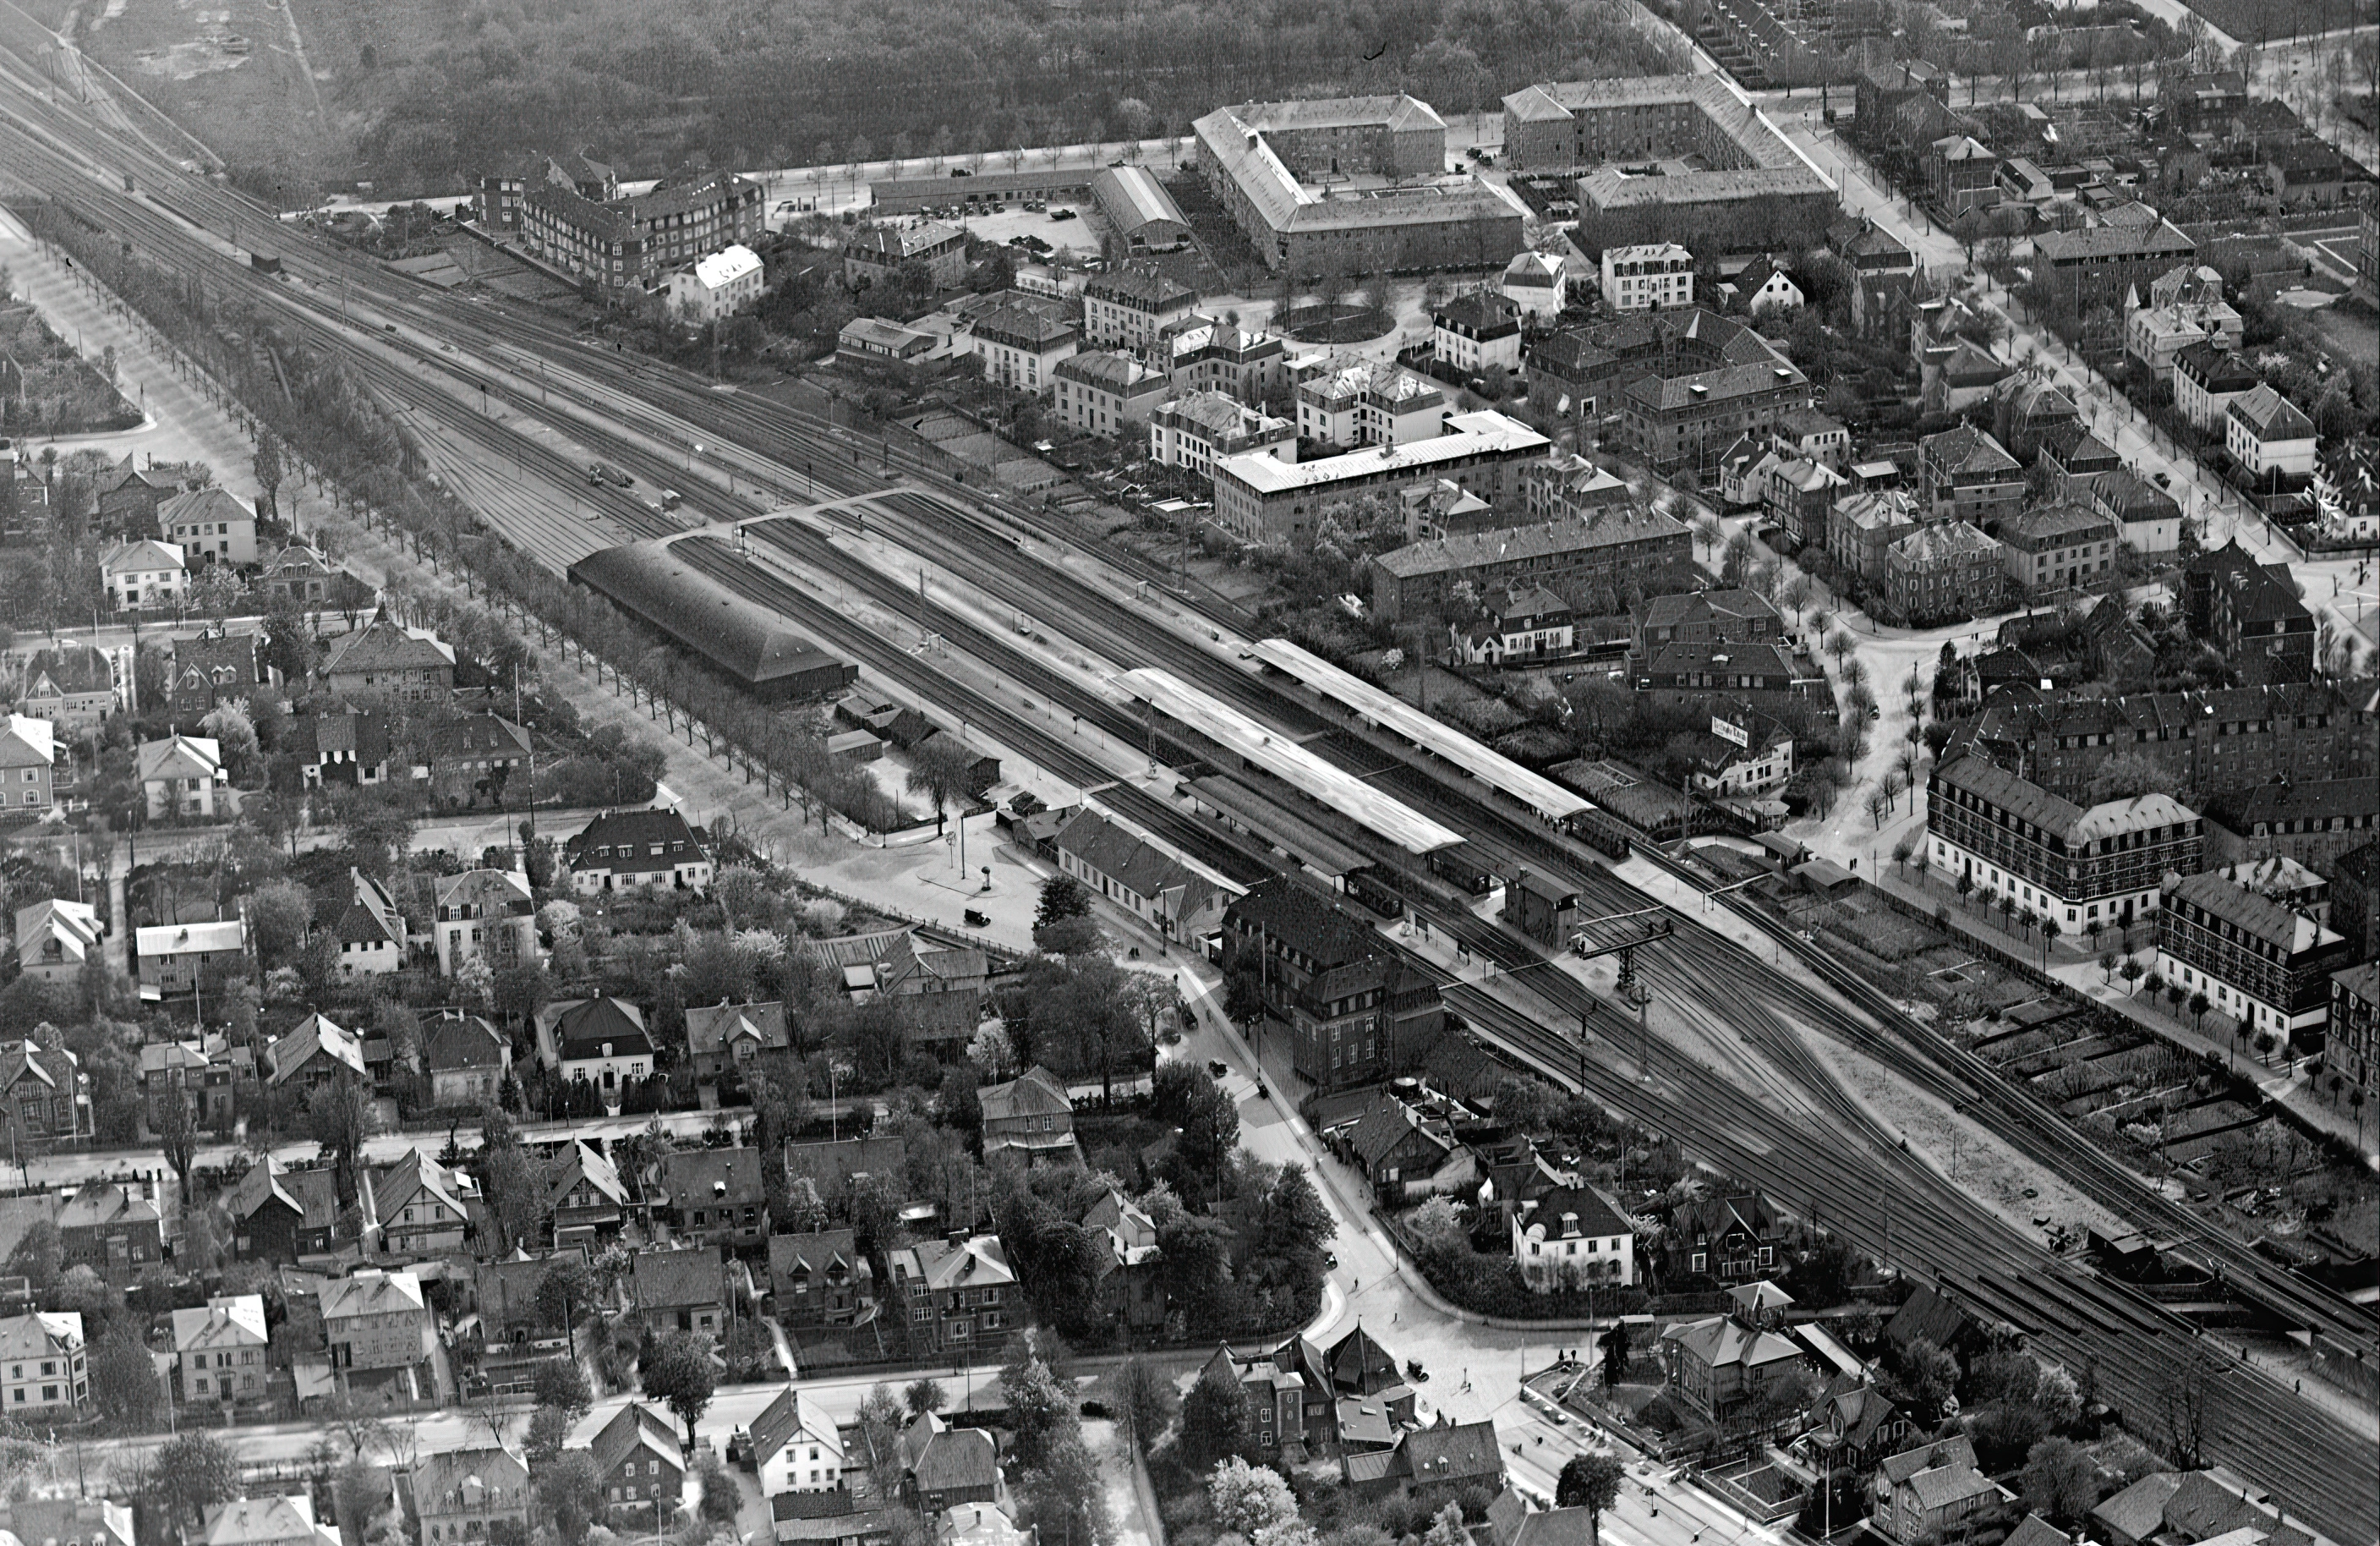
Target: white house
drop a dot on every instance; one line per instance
(1531, 624)
(1648, 278)
(1573, 1237)
(210, 527)
(181, 777)
(2266, 434)
(44, 1358)
(147, 573)
(55, 937)
(1476, 333)
(1738, 759)
(797, 1447)
(221, 1350)
(1537, 285)
(626, 851)
(719, 285)
(1767, 287)
(1191, 431)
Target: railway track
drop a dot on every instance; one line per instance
(656, 405)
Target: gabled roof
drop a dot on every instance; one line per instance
(104, 1204)
(453, 1041)
(624, 841)
(213, 502)
(820, 1253)
(382, 645)
(1722, 1340)
(668, 1279)
(1036, 1092)
(719, 1027)
(311, 1195)
(198, 757)
(1452, 1452)
(415, 1176)
(314, 1034)
(582, 1028)
(261, 1521)
(955, 1460)
(637, 1428)
(789, 1418)
(147, 553)
(2269, 415)
(372, 1292)
(75, 925)
(235, 1320)
(479, 735)
(581, 1163)
(1955, 1451)
(979, 1261)
(1967, 449)
(444, 1481)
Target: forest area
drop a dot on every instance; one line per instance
(436, 91)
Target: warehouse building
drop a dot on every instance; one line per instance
(1145, 216)
(671, 585)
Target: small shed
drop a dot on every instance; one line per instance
(1826, 877)
(854, 746)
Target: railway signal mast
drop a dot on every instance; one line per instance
(1645, 925)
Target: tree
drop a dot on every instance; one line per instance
(1041, 1409)
(941, 768)
(177, 1134)
(677, 1371)
(2130, 971)
(925, 1395)
(549, 1429)
(572, 1492)
(1591, 1482)
(268, 468)
(560, 1383)
(1214, 1418)
(190, 1474)
(1074, 938)
(1614, 1343)
(123, 1380)
(2060, 1480)
(1145, 1399)
(339, 1116)
(720, 1500)
(1248, 1498)
(1927, 1376)
(278, 914)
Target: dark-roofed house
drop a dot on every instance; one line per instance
(214, 669)
(622, 850)
(1405, 1153)
(639, 1459)
(1133, 306)
(1934, 1493)
(384, 660)
(2252, 614)
(737, 1036)
(348, 747)
(279, 1215)
(1354, 1010)
(2207, 379)
(716, 1195)
(1431, 1465)
(602, 1040)
(1138, 875)
(2057, 546)
(586, 1196)
(477, 755)
(317, 1052)
(72, 686)
(842, 1518)
(1031, 1117)
(1703, 617)
(1855, 1424)
(820, 1279)
(875, 254)
(1732, 1238)
(113, 1228)
(363, 917)
(423, 1206)
(685, 1288)
(959, 1294)
(488, 913)
(128, 497)
(2146, 516)
(1964, 473)
(1928, 1316)
(459, 1494)
(47, 1094)
(1130, 1271)
(2095, 265)
(1108, 393)
(942, 1467)
(1723, 1363)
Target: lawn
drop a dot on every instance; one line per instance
(47, 388)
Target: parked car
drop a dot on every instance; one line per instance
(1062, 214)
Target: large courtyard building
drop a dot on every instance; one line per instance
(2001, 837)
(1352, 185)
(620, 242)
(1689, 154)
(1261, 499)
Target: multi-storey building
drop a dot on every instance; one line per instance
(955, 1296)
(2353, 1047)
(2079, 869)
(1861, 525)
(1133, 308)
(1349, 1000)
(1020, 345)
(170, 957)
(2355, 898)
(376, 1320)
(874, 254)
(1106, 394)
(1245, 364)
(2057, 546)
(1703, 617)
(1270, 165)
(1568, 487)
(1798, 495)
(1942, 573)
(1593, 562)
(385, 659)
(1192, 431)
(2096, 265)
(1884, 272)
(626, 850)
(1966, 474)
(1259, 498)
(717, 1196)
(2310, 820)
(2207, 379)
(489, 914)
(2270, 438)
(2250, 612)
(2264, 965)
(113, 1228)
(2220, 739)
(640, 1460)
(1962, 174)
(1304, 1401)
(601, 1040)
(1368, 403)
(1687, 421)
(55, 937)
(1477, 332)
(1029, 1117)
(47, 1370)
(143, 573)
(422, 1207)
(71, 686)
(633, 241)
(220, 1349)
(820, 1279)
(461, 1495)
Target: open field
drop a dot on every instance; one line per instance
(229, 71)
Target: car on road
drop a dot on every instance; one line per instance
(1218, 1067)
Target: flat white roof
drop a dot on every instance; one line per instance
(1542, 795)
(1483, 432)
(1277, 754)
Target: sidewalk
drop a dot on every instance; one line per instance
(2079, 969)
